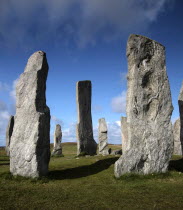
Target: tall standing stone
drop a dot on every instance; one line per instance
(176, 134)
(85, 142)
(57, 149)
(124, 133)
(180, 102)
(102, 132)
(149, 108)
(30, 141)
(9, 131)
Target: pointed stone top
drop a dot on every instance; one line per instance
(181, 93)
(35, 62)
(58, 127)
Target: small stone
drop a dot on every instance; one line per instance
(102, 131)
(9, 131)
(57, 149)
(176, 135)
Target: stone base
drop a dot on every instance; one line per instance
(57, 152)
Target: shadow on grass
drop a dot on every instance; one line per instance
(82, 171)
(176, 165)
(5, 160)
(4, 164)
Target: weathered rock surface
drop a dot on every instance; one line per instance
(149, 108)
(9, 131)
(30, 141)
(85, 142)
(57, 149)
(102, 132)
(124, 132)
(176, 135)
(180, 102)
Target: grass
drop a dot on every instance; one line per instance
(89, 183)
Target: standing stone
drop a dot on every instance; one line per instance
(124, 132)
(57, 149)
(149, 108)
(86, 145)
(176, 135)
(180, 102)
(117, 152)
(9, 131)
(30, 141)
(102, 131)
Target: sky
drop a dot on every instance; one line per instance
(84, 40)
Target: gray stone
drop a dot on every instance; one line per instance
(30, 141)
(176, 135)
(57, 149)
(149, 108)
(9, 131)
(124, 132)
(117, 152)
(180, 102)
(102, 132)
(85, 142)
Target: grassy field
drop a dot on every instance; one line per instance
(89, 183)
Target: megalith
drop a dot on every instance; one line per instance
(9, 131)
(30, 141)
(102, 135)
(180, 102)
(57, 148)
(149, 108)
(86, 145)
(176, 134)
(124, 133)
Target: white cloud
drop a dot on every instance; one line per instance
(154, 9)
(3, 87)
(56, 120)
(118, 122)
(69, 134)
(79, 20)
(96, 108)
(3, 105)
(6, 109)
(4, 117)
(119, 103)
(123, 76)
(13, 91)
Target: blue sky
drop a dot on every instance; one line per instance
(84, 40)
